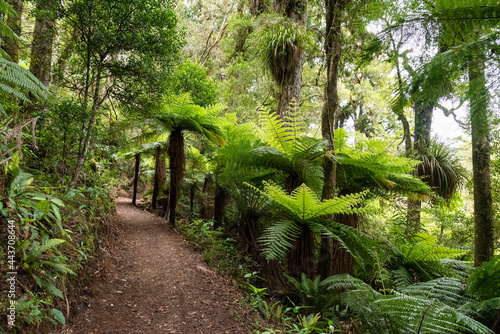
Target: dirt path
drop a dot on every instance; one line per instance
(161, 285)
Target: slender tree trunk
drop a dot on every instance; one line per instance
(136, 177)
(84, 145)
(43, 40)
(10, 46)
(160, 177)
(480, 129)
(85, 136)
(423, 112)
(333, 48)
(177, 160)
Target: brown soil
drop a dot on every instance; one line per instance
(159, 284)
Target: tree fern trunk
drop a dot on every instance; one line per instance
(136, 177)
(343, 262)
(204, 200)
(413, 222)
(302, 258)
(220, 201)
(176, 159)
(480, 128)
(159, 178)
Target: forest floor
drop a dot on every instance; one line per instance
(159, 284)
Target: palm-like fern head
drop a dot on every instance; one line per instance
(180, 113)
(302, 208)
(289, 150)
(369, 166)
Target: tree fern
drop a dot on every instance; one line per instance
(369, 166)
(431, 307)
(19, 82)
(303, 214)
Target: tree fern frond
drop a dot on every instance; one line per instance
(276, 239)
(16, 78)
(450, 291)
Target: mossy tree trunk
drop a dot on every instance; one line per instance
(288, 63)
(480, 129)
(10, 46)
(43, 40)
(333, 48)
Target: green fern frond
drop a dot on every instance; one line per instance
(276, 240)
(303, 204)
(17, 80)
(450, 291)
(37, 249)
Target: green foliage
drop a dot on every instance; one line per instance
(288, 151)
(420, 258)
(219, 250)
(441, 168)
(191, 78)
(181, 113)
(429, 307)
(20, 83)
(315, 294)
(369, 166)
(302, 208)
(485, 280)
(279, 40)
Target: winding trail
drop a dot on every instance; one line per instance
(159, 285)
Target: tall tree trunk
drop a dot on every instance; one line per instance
(136, 177)
(43, 40)
(290, 61)
(333, 48)
(10, 46)
(177, 160)
(423, 112)
(480, 129)
(160, 171)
